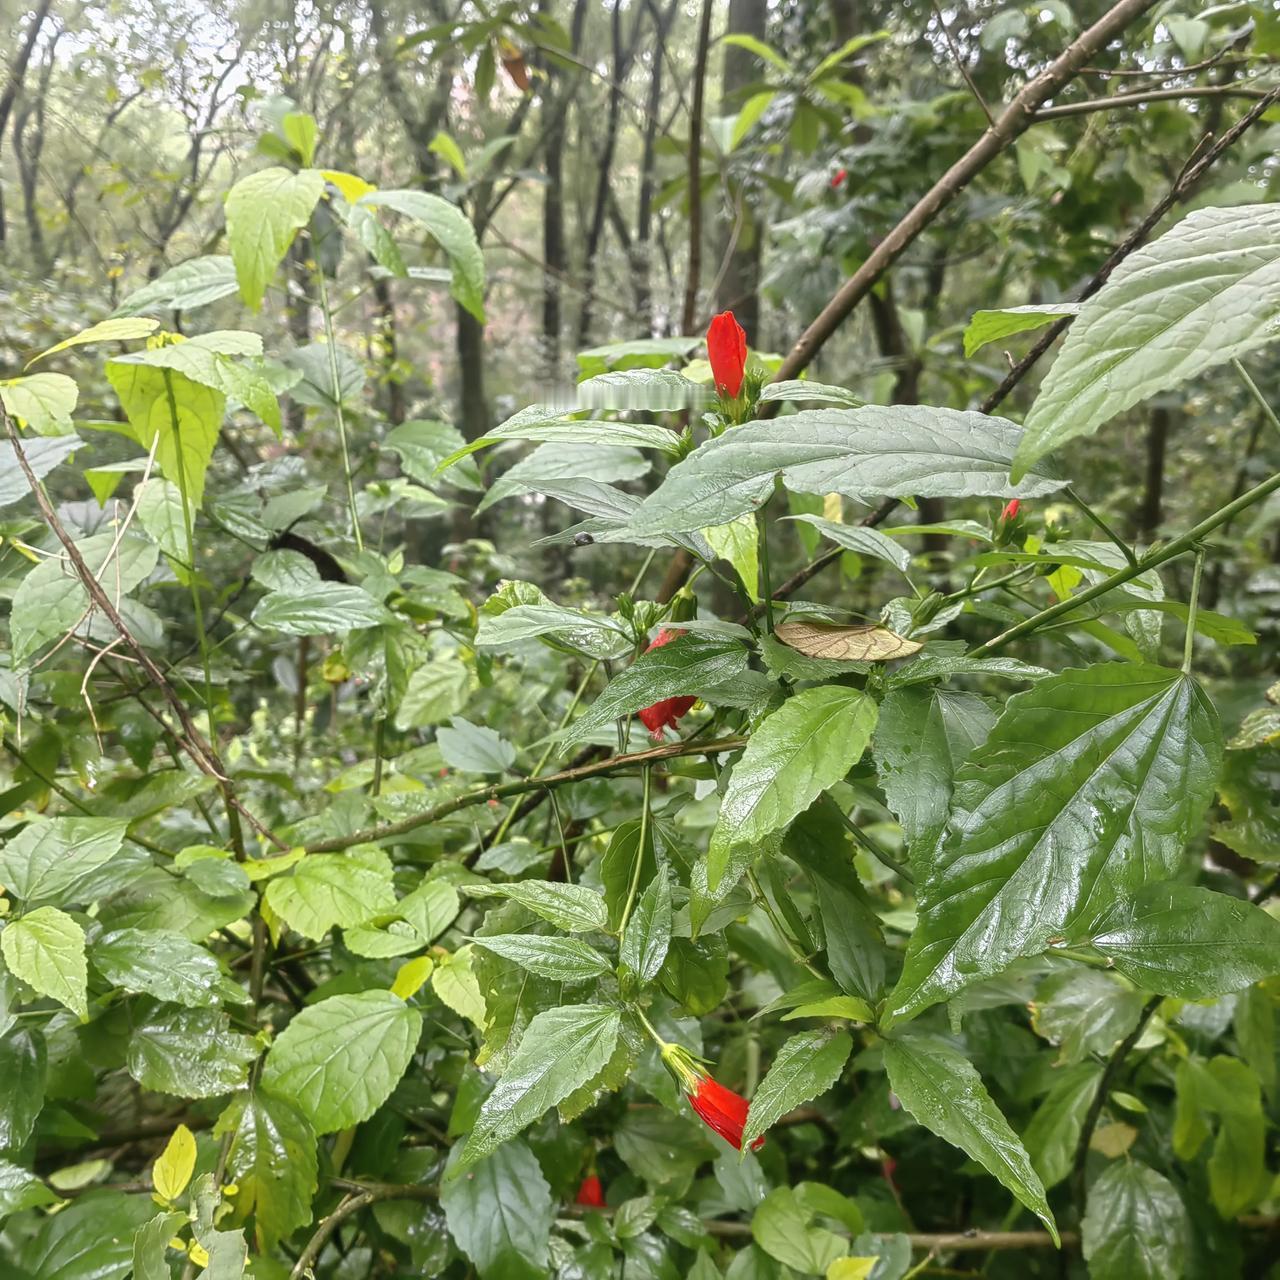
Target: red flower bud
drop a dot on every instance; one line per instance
(838, 181)
(591, 1193)
(727, 351)
(667, 712)
(722, 1110)
(1010, 511)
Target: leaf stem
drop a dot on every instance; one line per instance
(1125, 549)
(797, 952)
(337, 406)
(766, 584)
(875, 849)
(639, 863)
(1192, 606)
(1155, 557)
(1259, 399)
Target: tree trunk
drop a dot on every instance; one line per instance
(13, 84)
(739, 288)
(1153, 493)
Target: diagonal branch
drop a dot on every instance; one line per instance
(1013, 121)
(192, 741)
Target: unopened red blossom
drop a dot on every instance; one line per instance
(667, 712)
(722, 1110)
(591, 1193)
(1011, 508)
(727, 351)
(838, 180)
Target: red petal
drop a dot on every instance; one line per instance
(724, 1111)
(591, 1192)
(727, 351)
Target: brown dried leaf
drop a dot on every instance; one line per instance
(865, 643)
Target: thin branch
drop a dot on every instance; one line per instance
(593, 769)
(1013, 121)
(190, 739)
(1118, 100)
(1182, 186)
(961, 66)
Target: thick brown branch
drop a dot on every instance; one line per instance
(1013, 121)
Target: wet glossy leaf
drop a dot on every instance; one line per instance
(45, 948)
(190, 1053)
(805, 1068)
(339, 1060)
(164, 965)
(571, 907)
(944, 1093)
(1135, 1226)
(564, 959)
(1089, 786)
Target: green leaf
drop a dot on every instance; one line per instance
(190, 1053)
(561, 1050)
(45, 948)
(801, 389)
(431, 908)
(1084, 1011)
(500, 1214)
(1206, 291)
(474, 748)
(20, 1189)
(264, 212)
(649, 390)
(1179, 940)
(763, 51)
(183, 447)
(23, 1068)
(91, 1239)
(1054, 1132)
(589, 633)
(327, 608)
(1227, 1089)
(780, 1226)
(273, 1161)
(571, 907)
(113, 330)
(866, 542)
(151, 1244)
(328, 889)
(42, 401)
(454, 981)
(754, 107)
(738, 543)
(795, 754)
(436, 691)
(1089, 786)
(805, 1068)
(165, 965)
(562, 959)
(922, 737)
(447, 224)
(189, 285)
(944, 1093)
(300, 132)
(45, 859)
(991, 326)
(1135, 1225)
(42, 455)
(339, 1060)
(50, 600)
(648, 932)
(875, 451)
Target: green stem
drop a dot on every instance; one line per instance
(797, 952)
(1268, 412)
(875, 849)
(1153, 559)
(337, 407)
(1125, 549)
(766, 585)
(188, 520)
(644, 835)
(1192, 606)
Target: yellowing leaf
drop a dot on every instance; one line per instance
(851, 1268)
(1113, 1140)
(176, 1164)
(863, 643)
(411, 975)
(124, 329)
(351, 186)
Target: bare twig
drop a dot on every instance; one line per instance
(1118, 100)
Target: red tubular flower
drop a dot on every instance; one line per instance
(591, 1193)
(667, 712)
(727, 351)
(1010, 511)
(722, 1110)
(838, 181)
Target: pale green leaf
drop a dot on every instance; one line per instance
(264, 212)
(45, 948)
